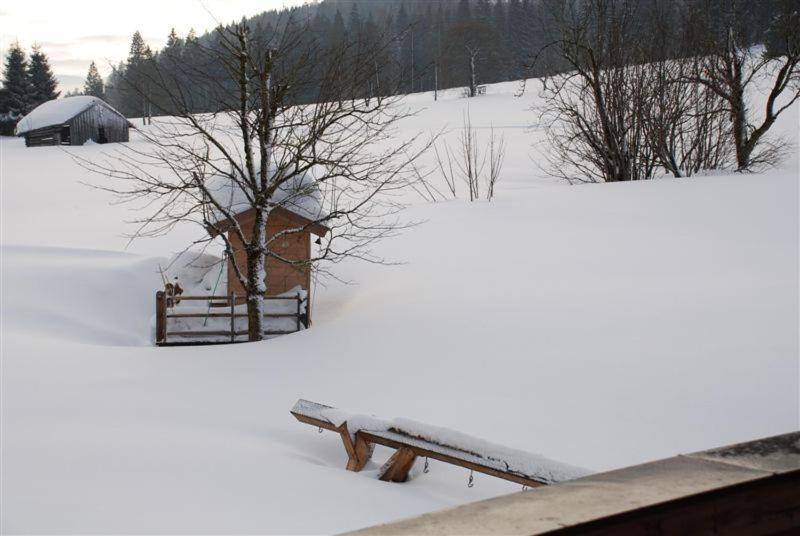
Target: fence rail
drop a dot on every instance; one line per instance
(165, 310)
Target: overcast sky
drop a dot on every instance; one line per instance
(74, 32)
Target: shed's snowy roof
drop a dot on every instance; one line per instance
(300, 195)
(57, 112)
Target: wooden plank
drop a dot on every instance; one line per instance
(315, 422)
(363, 453)
(453, 460)
(358, 452)
(217, 333)
(397, 467)
(227, 298)
(200, 343)
(227, 315)
(368, 440)
(201, 298)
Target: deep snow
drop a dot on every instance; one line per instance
(598, 325)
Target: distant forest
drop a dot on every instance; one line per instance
(426, 44)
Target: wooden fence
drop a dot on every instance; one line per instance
(165, 309)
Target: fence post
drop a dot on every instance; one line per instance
(233, 317)
(161, 317)
(298, 311)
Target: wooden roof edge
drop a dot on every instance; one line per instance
(316, 228)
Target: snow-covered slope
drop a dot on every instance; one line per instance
(598, 325)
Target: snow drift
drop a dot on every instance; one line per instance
(601, 325)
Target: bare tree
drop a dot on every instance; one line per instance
(472, 55)
(469, 162)
(686, 124)
(497, 155)
(472, 52)
(593, 109)
(728, 65)
(263, 146)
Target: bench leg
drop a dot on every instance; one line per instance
(358, 452)
(397, 467)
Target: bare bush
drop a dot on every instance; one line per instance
(593, 110)
(685, 124)
(727, 64)
(471, 164)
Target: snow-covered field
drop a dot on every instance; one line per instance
(598, 325)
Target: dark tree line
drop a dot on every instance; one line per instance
(435, 43)
(432, 45)
(27, 83)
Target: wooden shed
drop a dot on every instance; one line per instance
(281, 276)
(73, 121)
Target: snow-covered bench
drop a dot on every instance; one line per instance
(360, 434)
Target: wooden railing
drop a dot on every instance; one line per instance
(165, 309)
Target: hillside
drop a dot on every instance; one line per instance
(598, 325)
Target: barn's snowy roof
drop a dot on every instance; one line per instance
(58, 111)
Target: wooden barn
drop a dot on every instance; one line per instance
(73, 121)
(281, 276)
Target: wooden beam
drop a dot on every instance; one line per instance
(359, 452)
(315, 422)
(363, 453)
(228, 315)
(419, 451)
(397, 467)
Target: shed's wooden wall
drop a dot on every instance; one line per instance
(86, 126)
(281, 276)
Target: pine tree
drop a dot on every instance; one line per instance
(404, 31)
(354, 22)
(137, 78)
(483, 11)
(16, 92)
(464, 11)
(139, 51)
(337, 30)
(173, 40)
(40, 76)
(94, 83)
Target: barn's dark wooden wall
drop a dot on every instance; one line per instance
(87, 125)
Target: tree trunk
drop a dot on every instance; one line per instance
(739, 119)
(256, 279)
(472, 88)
